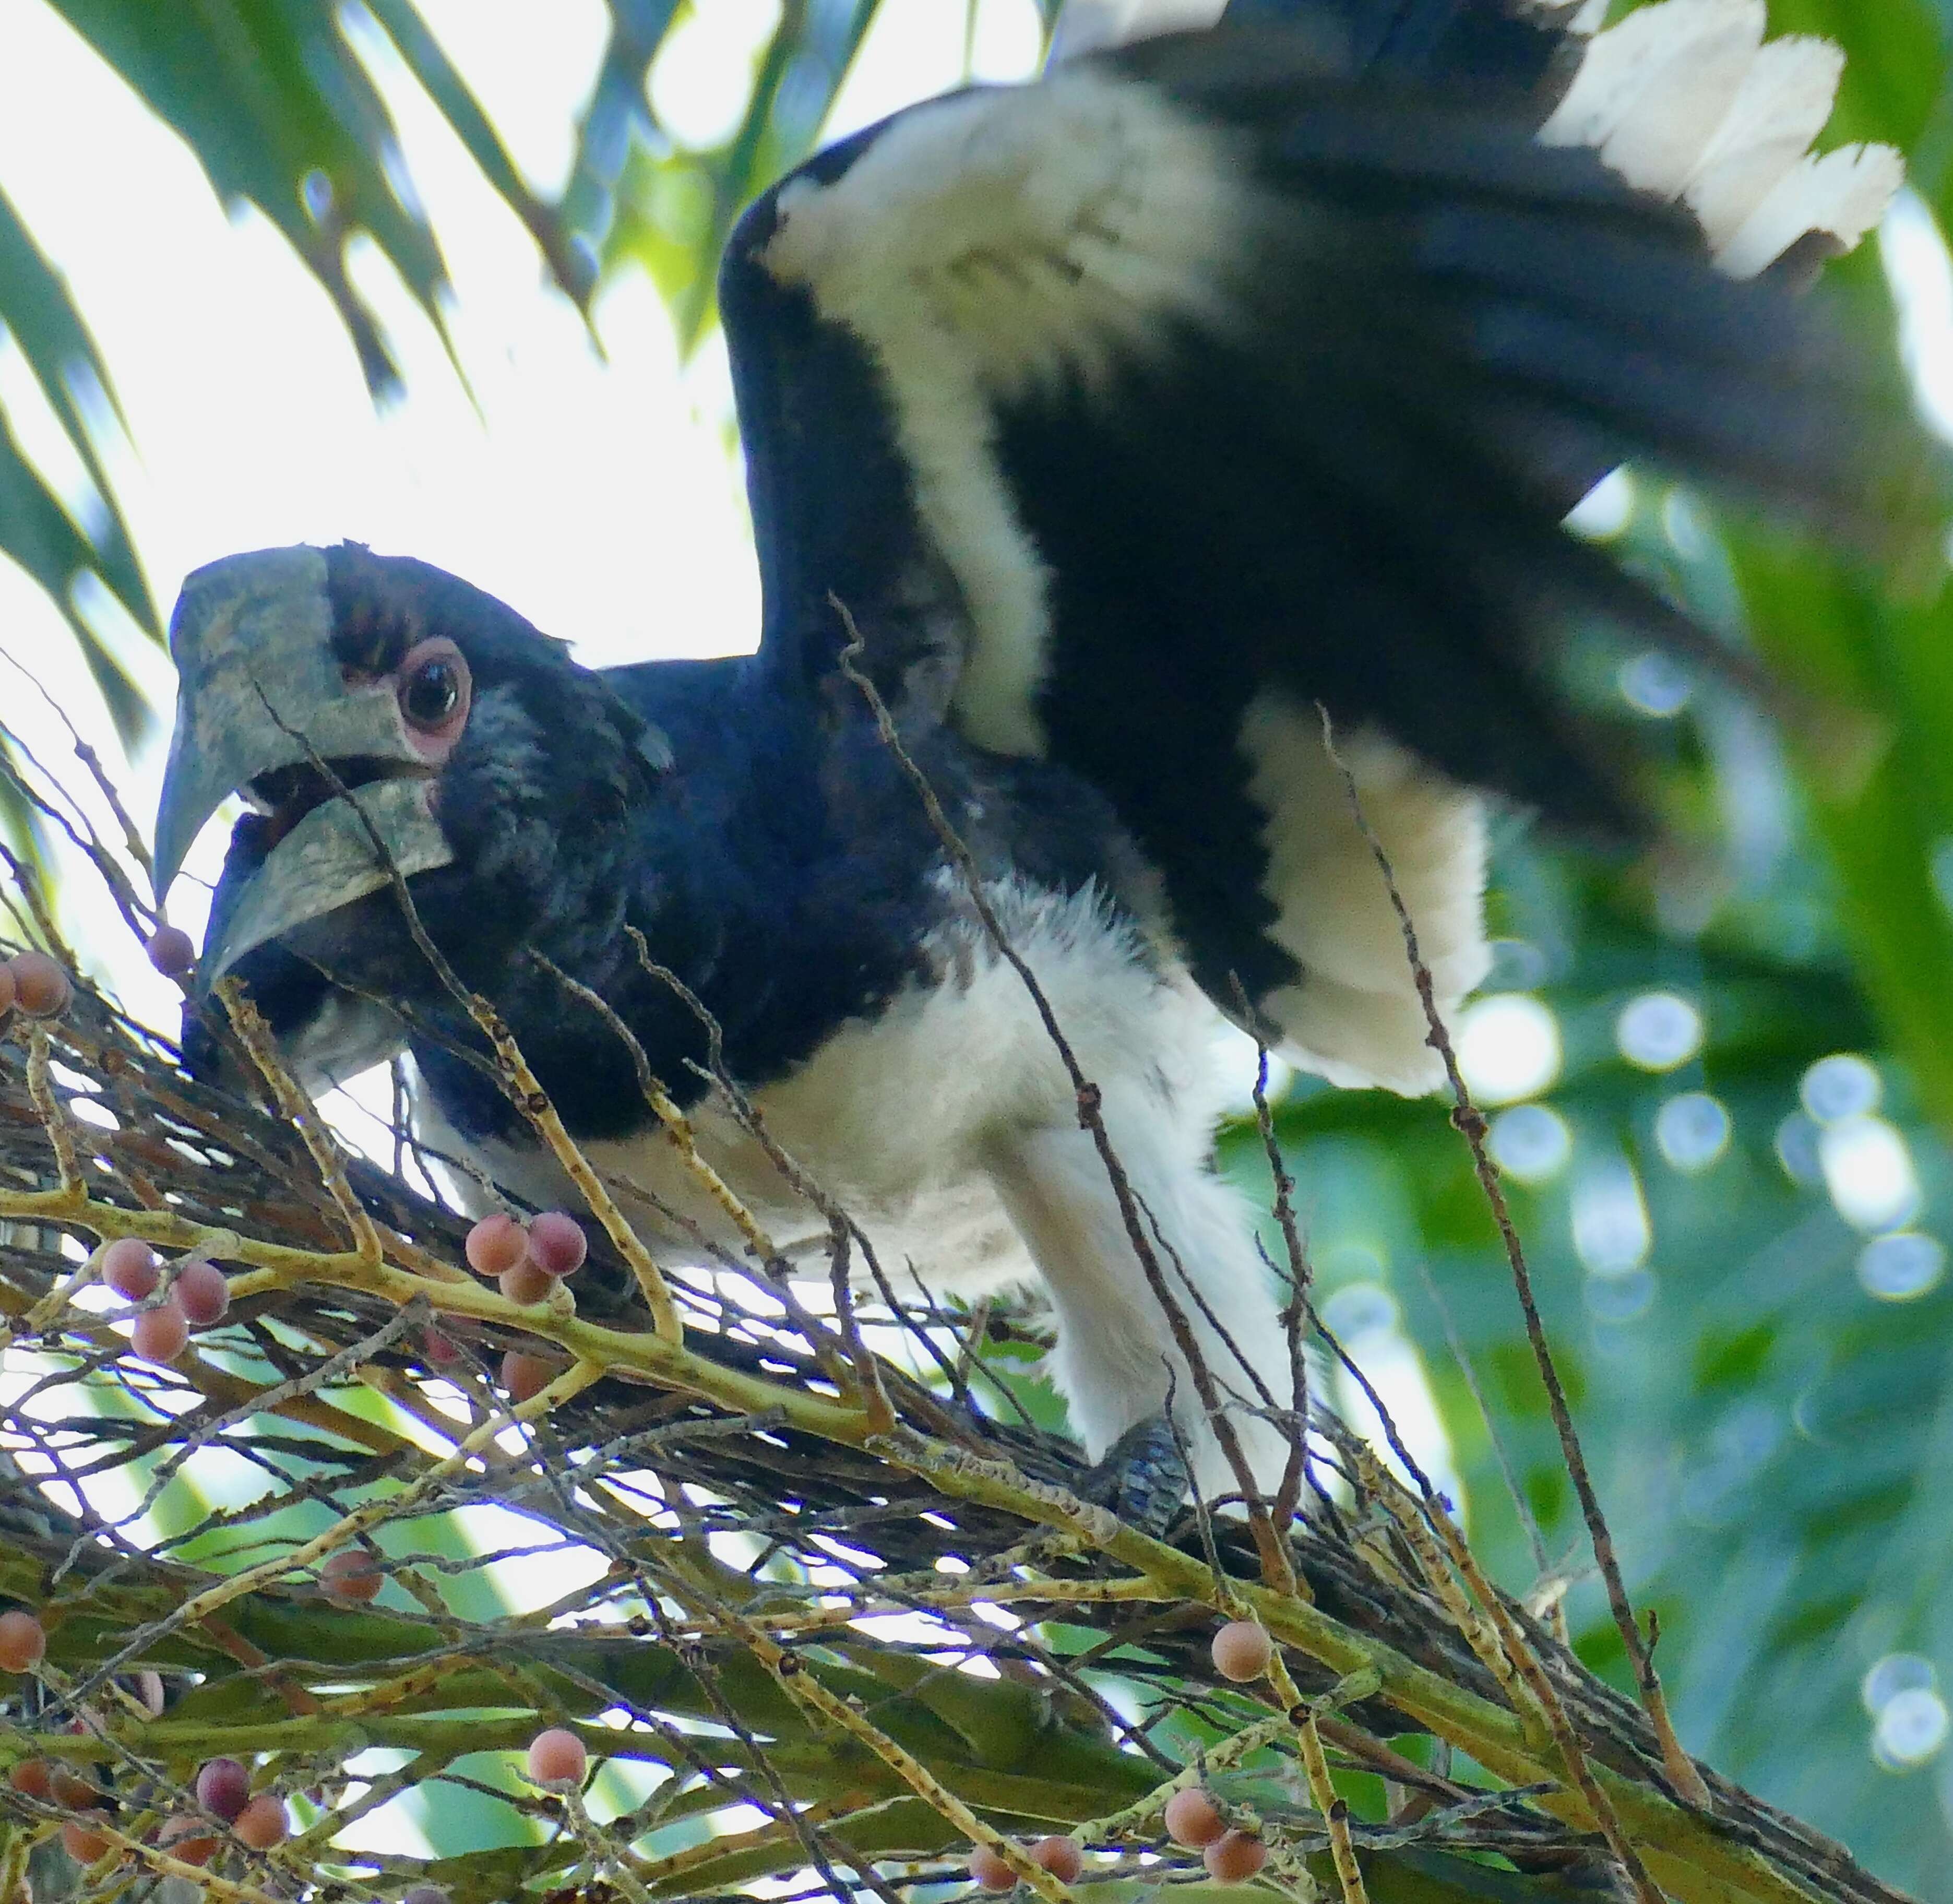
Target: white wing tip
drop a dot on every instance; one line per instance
(1686, 99)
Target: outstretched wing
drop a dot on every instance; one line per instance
(1137, 413)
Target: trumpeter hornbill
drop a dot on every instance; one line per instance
(1137, 418)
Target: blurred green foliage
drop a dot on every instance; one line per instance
(1767, 1397)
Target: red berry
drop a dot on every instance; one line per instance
(171, 950)
(557, 1245)
(189, 1840)
(1063, 1857)
(34, 1777)
(495, 1243)
(441, 1350)
(525, 1283)
(261, 1823)
(222, 1788)
(41, 988)
(160, 1334)
(1193, 1819)
(524, 1376)
(1234, 1858)
(129, 1267)
(556, 1756)
(989, 1870)
(351, 1577)
(24, 1642)
(1242, 1650)
(202, 1291)
(82, 1844)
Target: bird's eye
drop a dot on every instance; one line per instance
(433, 689)
(432, 695)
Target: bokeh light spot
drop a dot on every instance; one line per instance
(1840, 1086)
(1508, 1047)
(1868, 1170)
(1531, 1142)
(1654, 685)
(1895, 1673)
(1692, 1130)
(1899, 1266)
(1911, 1729)
(1658, 1030)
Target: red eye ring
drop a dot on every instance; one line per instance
(433, 687)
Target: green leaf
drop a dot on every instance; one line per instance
(677, 208)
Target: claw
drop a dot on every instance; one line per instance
(1143, 1477)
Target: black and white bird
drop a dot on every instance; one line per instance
(1138, 418)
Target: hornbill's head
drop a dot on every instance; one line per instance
(314, 682)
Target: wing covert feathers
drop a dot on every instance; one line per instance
(1227, 373)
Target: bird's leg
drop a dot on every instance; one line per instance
(1116, 1359)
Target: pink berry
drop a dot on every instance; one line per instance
(1234, 1858)
(1063, 1857)
(351, 1577)
(222, 1788)
(1242, 1650)
(24, 1642)
(129, 1267)
(1193, 1819)
(525, 1283)
(160, 1334)
(189, 1840)
(990, 1869)
(557, 1245)
(172, 952)
(33, 1778)
(524, 1376)
(41, 988)
(556, 1756)
(81, 1841)
(261, 1823)
(495, 1243)
(441, 1350)
(202, 1291)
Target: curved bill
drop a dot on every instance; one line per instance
(326, 862)
(260, 687)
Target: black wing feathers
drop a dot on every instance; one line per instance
(1322, 456)
(1461, 44)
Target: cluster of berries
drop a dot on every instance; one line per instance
(223, 1786)
(527, 1261)
(1242, 1651)
(197, 1297)
(557, 1758)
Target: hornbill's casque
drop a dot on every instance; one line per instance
(1137, 419)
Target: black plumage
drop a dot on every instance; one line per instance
(1133, 422)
